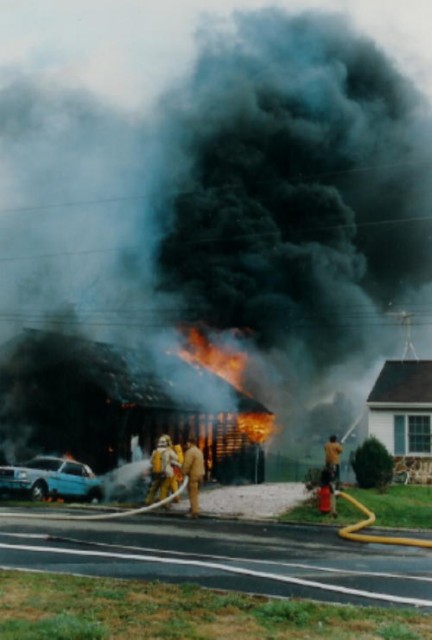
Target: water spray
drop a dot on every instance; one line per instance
(351, 429)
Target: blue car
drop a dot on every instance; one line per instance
(47, 477)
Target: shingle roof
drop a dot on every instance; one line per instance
(129, 376)
(403, 382)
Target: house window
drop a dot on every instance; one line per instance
(419, 434)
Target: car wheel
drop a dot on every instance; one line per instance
(94, 496)
(39, 491)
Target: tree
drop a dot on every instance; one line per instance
(372, 464)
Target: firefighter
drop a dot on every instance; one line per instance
(193, 467)
(333, 450)
(177, 476)
(163, 459)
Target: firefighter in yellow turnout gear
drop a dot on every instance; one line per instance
(193, 467)
(163, 461)
(177, 475)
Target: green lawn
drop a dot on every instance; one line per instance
(408, 507)
(36, 606)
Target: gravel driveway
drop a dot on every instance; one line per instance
(255, 501)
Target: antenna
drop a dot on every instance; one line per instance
(405, 318)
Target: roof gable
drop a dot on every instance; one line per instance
(403, 382)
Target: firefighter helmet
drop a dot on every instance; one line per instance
(163, 442)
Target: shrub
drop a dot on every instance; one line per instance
(372, 464)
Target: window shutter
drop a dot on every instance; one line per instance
(399, 435)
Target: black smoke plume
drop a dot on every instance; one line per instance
(301, 138)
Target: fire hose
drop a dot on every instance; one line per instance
(349, 532)
(104, 516)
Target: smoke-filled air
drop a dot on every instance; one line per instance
(306, 160)
(276, 199)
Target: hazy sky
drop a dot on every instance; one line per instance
(129, 49)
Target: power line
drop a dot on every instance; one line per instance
(138, 197)
(58, 255)
(163, 321)
(360, 311)
(354, 225)
(351, 225)
(364, 169)
(72, 203)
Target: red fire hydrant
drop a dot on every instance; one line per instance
(325, 498)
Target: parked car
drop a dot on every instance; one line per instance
(47, 477)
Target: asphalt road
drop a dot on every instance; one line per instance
(253, 557)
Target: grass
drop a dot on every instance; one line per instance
(399, 507)
(36, 606)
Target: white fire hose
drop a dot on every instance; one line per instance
(102, 516)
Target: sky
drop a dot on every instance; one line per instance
(102, 107)
(128, 51)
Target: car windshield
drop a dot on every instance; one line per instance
(45, 464)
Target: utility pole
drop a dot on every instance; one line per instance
(405, 318)
(409, 347)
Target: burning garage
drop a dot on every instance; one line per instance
(92, 399)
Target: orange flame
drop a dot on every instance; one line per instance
(226, 363)
(229, 365)
(257, 426)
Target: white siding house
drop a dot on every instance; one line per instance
(400, 415)
(381, 426)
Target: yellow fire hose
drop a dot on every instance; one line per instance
(348, 532)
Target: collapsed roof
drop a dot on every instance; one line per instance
(129, 376)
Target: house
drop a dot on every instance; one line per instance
(66, 393)
(400, 415)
